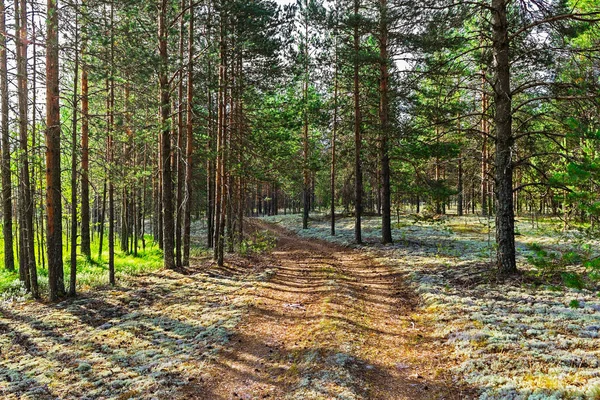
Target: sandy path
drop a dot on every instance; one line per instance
(330, 324)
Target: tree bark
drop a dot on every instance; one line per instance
(9, 256)
(73, 274)
(165, 114)
(53, 184)
(505, 219)
(384, 109)
(358, 178)
(179, 152)
(189, 141)
(306, 179)
(85, 165)
(335, 128)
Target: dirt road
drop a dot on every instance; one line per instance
(331, 323)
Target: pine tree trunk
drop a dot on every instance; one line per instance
(85, 165)
(53, 183)
(306, 183)
(505, 220)
(179, 152)
(358, 179)
(459, 189)
(9, 256)
(73, 274)
(165, 114)
(220, 202)
(189, 142)
(386, 204)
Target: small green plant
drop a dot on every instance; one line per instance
(574, 304)
(259, 242)
(572, 280)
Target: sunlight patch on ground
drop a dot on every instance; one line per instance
(144, 339)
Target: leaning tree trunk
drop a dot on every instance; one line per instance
(9, 255)
(56, 282)
(505, 218)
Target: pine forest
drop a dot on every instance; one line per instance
(300, 199)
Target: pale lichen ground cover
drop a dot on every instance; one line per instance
(146, 338)
(515, 340)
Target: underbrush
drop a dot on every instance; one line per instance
(258, 242)
(91, 272)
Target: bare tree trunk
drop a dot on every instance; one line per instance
(73, 275)
(9, 256)
(459, 199)
(85, 166)
(358, 179)
(505, 219)
(53, 184)
(180, 140)
(165, 114)
(189, 145)
(220, 201)
(484, 149)
(306, 179)
(25, 199)
(384, 110)
(334, 132)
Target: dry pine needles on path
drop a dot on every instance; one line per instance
(330, 324)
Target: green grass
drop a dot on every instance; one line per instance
(90, 272)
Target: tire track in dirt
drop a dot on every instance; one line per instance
(331, 323)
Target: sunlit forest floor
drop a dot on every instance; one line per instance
(317, 317)
(534, 336)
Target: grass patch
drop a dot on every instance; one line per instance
(92, 272)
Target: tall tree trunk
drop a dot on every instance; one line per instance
(111, 152)
(384, 109)
(189, 141)
(220, 192)
(334, 134)
(180, 139)
(165, 114)
(85, 165)
(73, 275)
(53, 185)
(25, 199)
(505, 219)
(358, 178)
(459, 189)
(9, 256)
(306, 171)
(484, 148)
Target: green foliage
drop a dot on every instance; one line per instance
(574, 304)
(257, 243)
(554, 265)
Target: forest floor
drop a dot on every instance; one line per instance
(320, 318)
(309, 320)
(534, 336)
